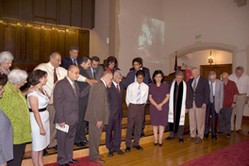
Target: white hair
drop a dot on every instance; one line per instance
(6, 56)
(17, 76)
(118, 73)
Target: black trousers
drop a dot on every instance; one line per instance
(212, 116)
(65, 143)
(114, 134)
(18, 151)
(81, 125)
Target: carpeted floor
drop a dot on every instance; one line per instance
(233, 155)
(83, 161)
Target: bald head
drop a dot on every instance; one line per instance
(73, 72)
(107, 78)
(55, 59)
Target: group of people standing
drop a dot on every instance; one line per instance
(72, 96)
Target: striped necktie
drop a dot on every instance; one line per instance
(138, 95)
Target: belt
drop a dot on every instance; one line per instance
(242, 94)
(139, 104)
(40, 110)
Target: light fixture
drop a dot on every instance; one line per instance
(210, 58)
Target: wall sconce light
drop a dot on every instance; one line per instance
(210, 58)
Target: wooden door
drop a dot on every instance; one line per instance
(219, 69)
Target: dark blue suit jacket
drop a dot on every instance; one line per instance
(201, 93)
(130, 77)
(116, 101)
(67, 61)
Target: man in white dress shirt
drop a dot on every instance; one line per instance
(242, 82)
(55, 73)
(136, 98)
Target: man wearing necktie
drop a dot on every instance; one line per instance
(114, 127)
(72, 59)
(197, 100)
(136, 98)
(214, 105)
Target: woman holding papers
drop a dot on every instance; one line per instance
(39, 116)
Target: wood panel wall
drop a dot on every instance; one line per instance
(77, 13)
(32, 44)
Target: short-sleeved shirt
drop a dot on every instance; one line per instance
(230, 89)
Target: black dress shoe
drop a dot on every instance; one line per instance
(169, 138)
(155, 144)
(73, 161)
(81, 144)
(64, 164)
(120, 152)
(45, 152)
(128, 149)
(214, 137)
(85, 142)
(54, 147)
(110, 154)
(138, 147)
(181, 140)
(206, 136)
(160, 145)
(228, 135)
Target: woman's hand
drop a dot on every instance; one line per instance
(42, 131)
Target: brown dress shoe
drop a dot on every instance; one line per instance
(198, 140)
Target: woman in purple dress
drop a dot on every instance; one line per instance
(159, 107)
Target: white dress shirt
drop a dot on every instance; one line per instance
(242, 83)
(214, 83)
(61, 73)
(131, 93)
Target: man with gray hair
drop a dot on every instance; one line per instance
(114, 127)
(6, 59)
(196, 103)
(242, 82)
(214, 105)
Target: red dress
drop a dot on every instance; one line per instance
(158, 94)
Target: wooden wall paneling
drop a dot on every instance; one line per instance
(39, 11)
(76, 13)
(26, 10)
(35, 49)
(17, 38)
(23, 54)
(65, 12)
(219, 69)
(54, 37)
(1, 8)
(9, 39)
(84, 42)
(45, 45)
(88, 13)
(2, 43)
(61, 35)
(51, 11)
(11, 9)
(70, 40)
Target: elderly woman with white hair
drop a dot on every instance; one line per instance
(15, 107)
(6, 59)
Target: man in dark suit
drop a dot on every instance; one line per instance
(96, 70)
(137, 64)
(66, 103)
(97, 114)
(80, 138)
(72, 59)
(197, 100)
(114, 127)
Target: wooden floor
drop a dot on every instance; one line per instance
(172, 152)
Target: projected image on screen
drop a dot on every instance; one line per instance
(151, 39)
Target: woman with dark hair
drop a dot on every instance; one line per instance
(159, 97)
(6, 141)
(39, 116)
(111, 64)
